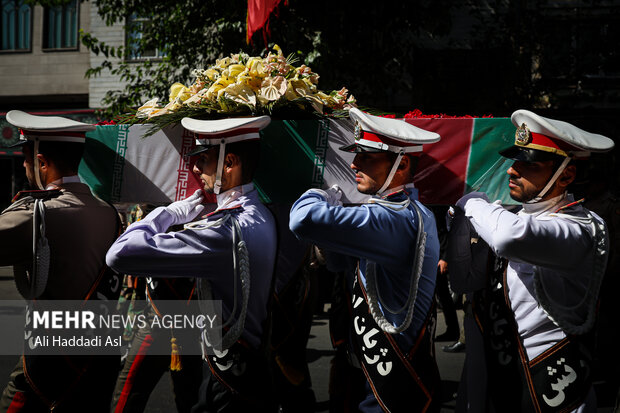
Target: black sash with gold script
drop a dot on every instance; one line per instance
(400, 380)
(558, 380)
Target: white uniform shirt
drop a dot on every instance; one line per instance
(560, 248)
(562, 251)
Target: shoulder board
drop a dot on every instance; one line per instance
(400, 192)
(237, 208)
(567, 206)
(37, 194)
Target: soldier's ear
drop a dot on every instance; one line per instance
(43, 162)
(404, 163)
(231, 160)
(567, 176)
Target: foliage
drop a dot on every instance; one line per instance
(187, 34)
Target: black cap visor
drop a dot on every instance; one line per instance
(357, 148)
(199, 149)
(519, 153)
(20, 142)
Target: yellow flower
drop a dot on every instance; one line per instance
(256, 68)
(322, 95)
(231, 72)
(252, 61)
(215, 88)
(223, 63)
(308, 82)
(212, 74)
(178, 90)
(316, 101)
(173, 105)
(197, 98)
(212, 91)
(239, 93)
(246, 79)
(296, 88)
(147, 110)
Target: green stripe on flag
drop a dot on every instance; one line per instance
(261, 193)
(102, 165)
(287, 159)
(486, 171)
(298, 139)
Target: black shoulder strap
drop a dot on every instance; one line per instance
(111, 290)
(267, 326)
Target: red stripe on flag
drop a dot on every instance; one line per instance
(187, 181)
(442, 170)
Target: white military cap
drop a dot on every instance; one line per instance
(540, 139)
(48, 128)
(210, 133)
(378, 134)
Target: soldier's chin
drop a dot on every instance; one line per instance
(364, 190)
(208, 189)
(520, 196)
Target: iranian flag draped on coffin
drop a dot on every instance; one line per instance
(121, 165)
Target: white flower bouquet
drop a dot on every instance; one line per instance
(242, 85)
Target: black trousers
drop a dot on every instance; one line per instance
(66, 384)
(147, 362)
(252, 392)
(442, 290)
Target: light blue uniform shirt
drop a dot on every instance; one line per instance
(146, 249)
(380, 234)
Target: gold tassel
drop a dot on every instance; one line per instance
(175, 357)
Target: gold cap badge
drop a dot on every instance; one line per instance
(357, 134)
(523, 136)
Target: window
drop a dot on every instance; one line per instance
(60, 26)
(16, 25)
(133, 29)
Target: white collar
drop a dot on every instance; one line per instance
(539, 207)
(232, 194)
(64, 180)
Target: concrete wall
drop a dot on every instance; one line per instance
(112, 36)
(39, 72)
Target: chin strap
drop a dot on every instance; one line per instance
(37, 174)
(388, 180)
(554, 178)
(220, 167)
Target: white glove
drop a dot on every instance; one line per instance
(187, 209)
(332, 195)
(461, 202)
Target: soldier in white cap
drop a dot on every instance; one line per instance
(69, 231)
(231, 252)
(392, 249)
(539, 307)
